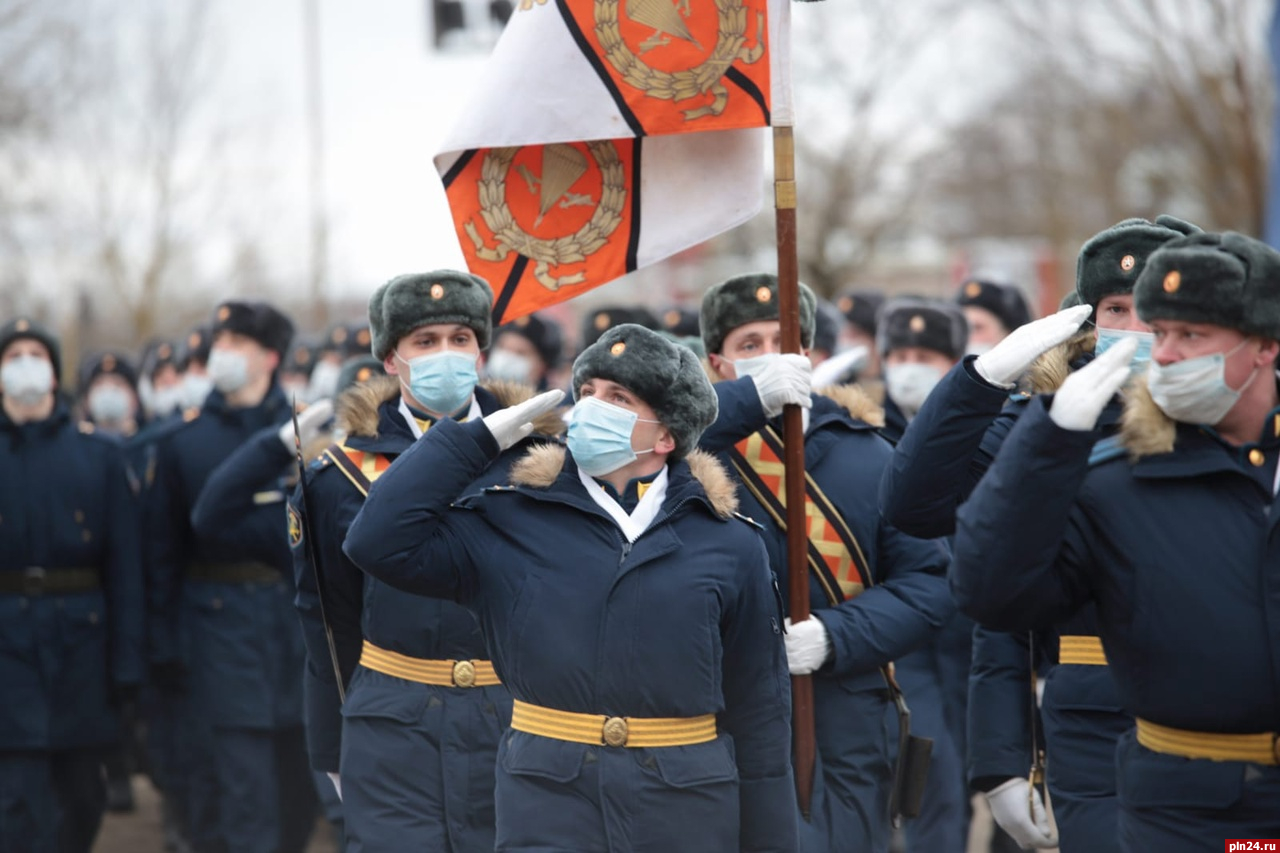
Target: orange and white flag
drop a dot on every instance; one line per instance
(609, 134)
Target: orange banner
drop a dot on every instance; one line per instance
(543, 223)
(678, 66)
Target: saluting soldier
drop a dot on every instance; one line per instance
(413, 748)
(71, 603)
(222, 617)
(876, 593)
(628, 611)
(1166, 528)
(946, 450)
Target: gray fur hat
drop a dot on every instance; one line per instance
(925, 323)
(418, 299)
(1111, 260)
(664, 374)
(1224, 279)
(745, 299)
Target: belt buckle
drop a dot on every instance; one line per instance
(615, 732)
(464, 673)
(33, 580)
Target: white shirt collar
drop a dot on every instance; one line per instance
(642, 516)
(472, 414)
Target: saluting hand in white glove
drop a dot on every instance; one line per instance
(509, 425)
(834, 369)
(310, 421)
(1017, 807)
(808, 645)
(1087, 391)
(1010, 358)
(784, 381)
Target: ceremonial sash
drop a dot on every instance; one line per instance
(835, 557)
(359, 467)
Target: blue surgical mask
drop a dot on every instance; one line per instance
(1107, 338)
(600, 436)
(1195, 390)
(441, 381)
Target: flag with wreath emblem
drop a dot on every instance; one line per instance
(609, 134)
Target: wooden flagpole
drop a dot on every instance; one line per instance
(784, 188)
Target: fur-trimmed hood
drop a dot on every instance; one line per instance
(357, 407)
(1145, 430)
(542, 464)
(1050, 370)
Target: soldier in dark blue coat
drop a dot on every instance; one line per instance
(945, 451)
(877, 595)
(71, 603)
(413, 747)
(222, 613)
(630, 614)
(1058, 523)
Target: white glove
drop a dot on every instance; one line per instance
(833, 369)
(509, 425)
(808, 645)
(1087, 391)
(785, 381)
(337, 783)
(1010, 358)
(1017, 807)
(310, 420)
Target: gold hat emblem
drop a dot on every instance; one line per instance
(1128, 262)
(437, 291)
(22, 326)
(973, 290)
(671, 318)
(363, 374)
(164, 351)
(916, 324)
(193, 340)
(1172, 281)
(619, 348)
(845, 304)
(223, 313)
(763, 294)
(522, 322)
(362, 337)
(602, 321)
(339, 335)
(108, 363)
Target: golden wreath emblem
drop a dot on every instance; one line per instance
(562, 166)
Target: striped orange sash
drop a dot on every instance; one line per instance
(359, 467)
(835, 557)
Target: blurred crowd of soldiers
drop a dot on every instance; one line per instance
(157, 550)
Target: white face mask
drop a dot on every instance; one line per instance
(1195, 390)
(110, 404)
(229, 371)
(27, 379)
(324, 381)
(503, 364)
(166, 400)
(753, 366)
(910, 384)
(195, 389)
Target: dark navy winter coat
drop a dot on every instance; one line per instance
(681, 623)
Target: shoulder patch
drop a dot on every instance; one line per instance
(749, 521)
(1105, 450)
(295, 527)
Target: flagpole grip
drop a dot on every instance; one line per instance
(784, 193)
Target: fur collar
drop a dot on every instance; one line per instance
(542, 464)
(1145, 430)
(1050, 370)
(357, 407)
